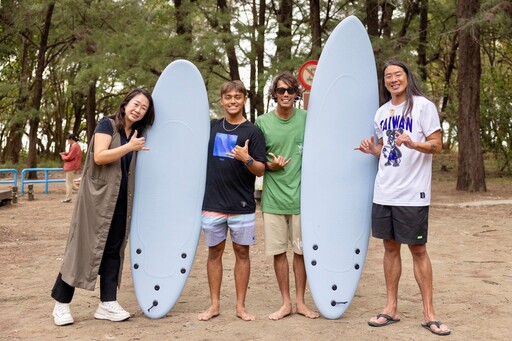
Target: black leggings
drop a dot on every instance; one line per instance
(110, 262)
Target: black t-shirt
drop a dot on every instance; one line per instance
(105, 127)
(229, 184)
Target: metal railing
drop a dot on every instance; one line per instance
(14, 181)
(46, 180)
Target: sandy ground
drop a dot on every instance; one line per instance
(469, 243)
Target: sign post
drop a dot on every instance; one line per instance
(306, 74)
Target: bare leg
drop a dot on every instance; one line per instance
(300, 287)
(283, 280)
(242, 273)
(214, 269)
(424, 278)
(392, 272)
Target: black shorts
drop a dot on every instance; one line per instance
(403, 224)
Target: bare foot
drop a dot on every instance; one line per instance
(244, 315)
(209, 314)
(284, 311)
(305, 311)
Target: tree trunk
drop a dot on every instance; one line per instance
(256, 58)
(422, 44)
(252, 60)
(38, 91)
(56, 127)
(372, 25)
(11, 152)
(90, 111)
(228, 40)
(387, 14)
(183, 27)
(13, 147)
(316, 29)
(452, 56)
(411, 12)
(470, 172)
(78, 112)
(284, 34)
(260, 56)
(372, 17)
(181, 13)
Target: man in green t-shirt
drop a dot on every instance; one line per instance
(280, 202)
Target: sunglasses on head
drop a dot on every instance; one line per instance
(290, 91)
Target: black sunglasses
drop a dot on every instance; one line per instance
(290, 91)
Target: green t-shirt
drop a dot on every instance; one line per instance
(281, 188)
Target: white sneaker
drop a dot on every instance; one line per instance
(111, 311)
(62, 314)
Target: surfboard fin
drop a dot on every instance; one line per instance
(155, 303)
(334, 303)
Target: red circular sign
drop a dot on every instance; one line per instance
(306, 73)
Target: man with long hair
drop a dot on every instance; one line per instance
(409, 133)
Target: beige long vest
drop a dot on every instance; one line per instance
(92, 216)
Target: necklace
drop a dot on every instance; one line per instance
(224, 126)
(393, 111)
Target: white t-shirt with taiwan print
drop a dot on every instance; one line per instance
(404, 176)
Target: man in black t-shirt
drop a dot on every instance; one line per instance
(236, 155)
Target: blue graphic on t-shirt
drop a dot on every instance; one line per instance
(396, 122)
(224, 143)
(391, 151)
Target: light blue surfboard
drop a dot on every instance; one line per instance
(337, 181)
(169, 187)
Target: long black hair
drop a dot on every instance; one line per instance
(413, 89)
(147, 120)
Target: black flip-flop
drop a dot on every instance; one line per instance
(389, 320)
(438, 325)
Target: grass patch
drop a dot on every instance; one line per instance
(444, 168)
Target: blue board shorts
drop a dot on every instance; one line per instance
(242, 228)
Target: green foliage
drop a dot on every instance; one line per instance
(42, 163)
(496, 114)
(122, 44)
(496, 93)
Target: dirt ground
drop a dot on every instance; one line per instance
(469, 244)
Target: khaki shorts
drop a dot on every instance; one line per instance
(281, 229)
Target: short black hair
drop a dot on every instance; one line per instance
(72, 137)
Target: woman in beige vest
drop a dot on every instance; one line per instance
(101, 218)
